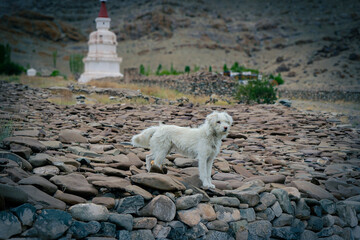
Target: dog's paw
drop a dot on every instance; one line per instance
(208, 185)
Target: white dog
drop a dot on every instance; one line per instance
(202, 143)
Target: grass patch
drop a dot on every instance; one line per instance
(6, 130)
(39, 82)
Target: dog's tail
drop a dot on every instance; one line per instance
(143, 139)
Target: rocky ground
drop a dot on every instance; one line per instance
(281, 174)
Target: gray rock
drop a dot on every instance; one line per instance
(315, 224)
(302, 210)
(39, 160)
(123, 235)
(107, 230)
(144, 234)
(9, 225)
(122, 220)
(158, 181)
(328, 206)
(13, 194)
(353, 204)
(218, 225)
(197, 231)
(259, 230)
(160, 231)
(52, 223)
(83, 152)
(225, 201)
(277, 209)
(19, 160)
(39, 182)
(328, 220)
(286, 233)
(216, 235)
(187, 202)
(164, 209)
(82, 229)
(247, 214)
(34, 144)
(227, 214)
(267, 199)
(307, 235)
(52, 145)
(185, 162)
(130, 204)
(25, 213)
(248, 197)
(75, 183)
(89, 212)
(356, 232)
(267, 214)
(347, 213)
(283, 220)
(326, 232)
(71, 136)
(38, 197)
(47, 171)
(283, 198)
(313, 190)
(144, 223)
(178, 230)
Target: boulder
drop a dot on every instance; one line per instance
(34, 144)
(187, 202)
(75, 184)
(52, 223)
(71, 136)
(313, 190)
(89, 212)
(161, 207)
(9, 225)
(158, 181)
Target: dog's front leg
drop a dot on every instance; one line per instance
(203, 172)
(209, 165)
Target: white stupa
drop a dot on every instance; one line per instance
(102, 60)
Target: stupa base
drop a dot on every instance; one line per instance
(87, 77)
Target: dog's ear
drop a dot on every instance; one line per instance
(229, 118)
(212, 118)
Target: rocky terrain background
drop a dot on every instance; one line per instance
(281, 174)
(313, 44)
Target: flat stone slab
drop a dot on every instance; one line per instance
(158, 181)
(313, 190)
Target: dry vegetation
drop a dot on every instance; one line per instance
(66, 97)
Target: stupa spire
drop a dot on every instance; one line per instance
(103, 11)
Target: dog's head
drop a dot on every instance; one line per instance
(220, 122)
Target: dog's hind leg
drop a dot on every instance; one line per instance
(149, 158)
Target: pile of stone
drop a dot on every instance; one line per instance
(281, 174)
(201, 83)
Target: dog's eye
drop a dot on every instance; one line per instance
(218, 122)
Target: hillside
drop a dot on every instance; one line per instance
(313, 44)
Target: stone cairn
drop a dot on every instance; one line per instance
(68, 172)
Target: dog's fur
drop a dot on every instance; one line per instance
(202, 143)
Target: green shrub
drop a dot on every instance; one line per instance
(279, 79)
(158, 69)
(54, 56)
(196, 68)
(142, 70)
(237, 68)
(56, 73)
(225, 68)
(187, 69)
(11, 68)
(6, 65)
(76, 65)
(210, 69)
(256, 91)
